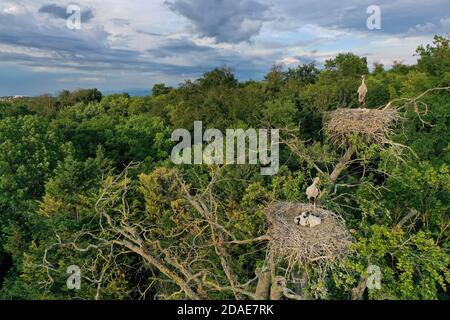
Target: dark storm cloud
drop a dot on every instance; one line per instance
(60, 12)
(179, 47)
(224, 20)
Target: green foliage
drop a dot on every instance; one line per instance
(304, 74)
(379, 93)
(435, 59)
(280, 114)
(67, 98)
(217, 78)
(160, 89)
(409, 263)
(28, 154)
(347, 65)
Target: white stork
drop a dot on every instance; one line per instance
(312, 191)
(362, 92)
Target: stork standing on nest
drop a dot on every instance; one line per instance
(313, 192)
(362, 92)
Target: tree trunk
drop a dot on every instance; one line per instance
(358, 292)
(263, 286)
(301, 282)
(277, 288)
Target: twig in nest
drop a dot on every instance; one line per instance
(371, 125)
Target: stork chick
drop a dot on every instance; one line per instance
(362, 92)
(313, 192)
(302, 219)
(307, 219)
(314, 220)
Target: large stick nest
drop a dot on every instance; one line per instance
(372, 125)
(299, 245)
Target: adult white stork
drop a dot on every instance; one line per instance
(312, 191)
(362, 92)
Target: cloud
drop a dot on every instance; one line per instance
(397, 17)
(226, 21)
(120, 22)
(177, 47)
(60, 12)
(288, 61)
(423, 28)
(11, 8)
(305, 58)
(441, 27)
(445, 23)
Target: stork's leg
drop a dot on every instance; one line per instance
(315, 204)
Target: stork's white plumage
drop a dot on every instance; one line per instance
(314, 221)
(307, 219)
(301, 220)
(312, 191)
(362, 92)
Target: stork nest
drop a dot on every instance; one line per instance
(299, 245)
(372, 125)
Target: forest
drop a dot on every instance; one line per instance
(87, 180)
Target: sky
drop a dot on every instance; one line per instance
(122, 45)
